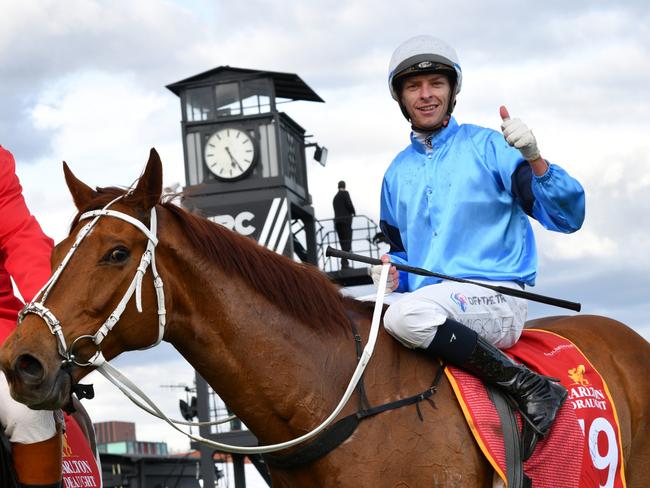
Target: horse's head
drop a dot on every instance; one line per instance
(70, 326)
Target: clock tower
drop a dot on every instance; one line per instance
(245, 168)
(245, 163)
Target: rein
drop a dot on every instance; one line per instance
(339, 432)
(132, 391)
(98, 360)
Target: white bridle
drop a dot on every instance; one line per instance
(127, 386)
(148, 258)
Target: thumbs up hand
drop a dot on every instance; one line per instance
(519, 136)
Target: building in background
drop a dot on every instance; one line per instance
(119, 438)
(126, 461)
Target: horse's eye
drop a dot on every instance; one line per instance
(116, 256)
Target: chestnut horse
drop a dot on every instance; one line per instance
(273, 338)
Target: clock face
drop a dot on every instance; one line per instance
(230, 153)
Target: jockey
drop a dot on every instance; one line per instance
(456, 201)
(24, 256)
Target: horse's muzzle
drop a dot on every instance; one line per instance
(32, 385)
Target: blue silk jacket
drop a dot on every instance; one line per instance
(461, 207)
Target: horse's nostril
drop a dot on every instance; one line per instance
(28, 367)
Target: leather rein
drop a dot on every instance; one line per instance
(340, 431)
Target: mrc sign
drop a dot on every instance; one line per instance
(268, 222)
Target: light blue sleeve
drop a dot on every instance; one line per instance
(559, 200)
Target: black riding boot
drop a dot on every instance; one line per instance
(537, 397)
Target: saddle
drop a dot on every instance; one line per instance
(564, 457)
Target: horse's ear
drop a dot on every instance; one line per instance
(81, 193)
(149, 187)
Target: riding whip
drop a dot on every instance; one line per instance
(557, 302)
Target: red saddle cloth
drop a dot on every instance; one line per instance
(583, 449)
(80, 467)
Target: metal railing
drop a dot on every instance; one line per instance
(366, 240)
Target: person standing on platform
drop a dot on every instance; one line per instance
(343, 214)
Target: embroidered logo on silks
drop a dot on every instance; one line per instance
(577, 375)
(582, 394)
(460, 300)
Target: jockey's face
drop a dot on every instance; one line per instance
(426, 98)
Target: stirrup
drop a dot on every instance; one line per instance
(526, 421)
(530, 434)
(529, 438)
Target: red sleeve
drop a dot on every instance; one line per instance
(24, 249)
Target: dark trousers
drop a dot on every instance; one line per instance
(343, 229)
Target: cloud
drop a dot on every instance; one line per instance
(47, 43)
(65, 36)
(102, 124)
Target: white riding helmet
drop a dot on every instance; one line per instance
(420, 55)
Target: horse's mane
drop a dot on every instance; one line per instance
(301, 290)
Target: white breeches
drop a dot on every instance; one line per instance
(22, 424)
(413, 318)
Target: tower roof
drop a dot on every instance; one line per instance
(287, 85)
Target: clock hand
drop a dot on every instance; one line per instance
(233, 160)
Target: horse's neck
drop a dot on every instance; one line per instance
(267, 366)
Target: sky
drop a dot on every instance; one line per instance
(84, 81)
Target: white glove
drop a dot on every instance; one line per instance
(519, 136)
(375, 274)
